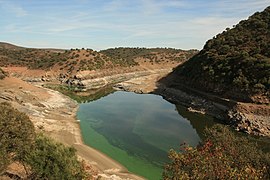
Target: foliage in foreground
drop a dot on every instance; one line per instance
(222, 156)
(53, 160)
(17, 135)
(44, 158)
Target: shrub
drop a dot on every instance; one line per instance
(45, 158)
(222, 156)
(2, 74)
(17, 135)
(52, 160)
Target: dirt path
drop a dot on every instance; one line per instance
(54, 114)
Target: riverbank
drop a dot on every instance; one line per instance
(55, 115)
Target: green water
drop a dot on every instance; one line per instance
(138, 130)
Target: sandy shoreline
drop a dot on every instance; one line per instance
(55, 114)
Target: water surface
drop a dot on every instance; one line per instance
(139, 129)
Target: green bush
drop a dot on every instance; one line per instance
(52, 160)
(4, 161)
(45, 158)
(223, 155)
(17, 135)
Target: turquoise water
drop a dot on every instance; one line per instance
(138, 130)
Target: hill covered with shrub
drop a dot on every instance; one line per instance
(154, 55)
(235, 63)
(74, 60)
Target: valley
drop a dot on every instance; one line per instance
(70, 96)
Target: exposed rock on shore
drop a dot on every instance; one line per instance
(243, 118)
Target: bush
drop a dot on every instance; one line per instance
(52, 160)
(17, 135)
(222, 156)
(2, 74)
(44, 158)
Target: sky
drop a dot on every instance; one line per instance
(102, 24)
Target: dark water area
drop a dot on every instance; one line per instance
(138, 130)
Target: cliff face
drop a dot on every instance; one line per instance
(234, 64)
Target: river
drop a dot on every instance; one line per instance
(138, 130)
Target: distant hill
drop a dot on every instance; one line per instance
(88, 59)
(235, 63)
(11, 55)
(4, 45)
(74, 60)
(154, 55)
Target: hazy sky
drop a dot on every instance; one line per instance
(100, 24)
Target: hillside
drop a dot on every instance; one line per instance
(153, 55)
(4, 45)
(11, 55)
(75, 60)
(234, 64)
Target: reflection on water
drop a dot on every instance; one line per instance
(143, 126)
(198, 121)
